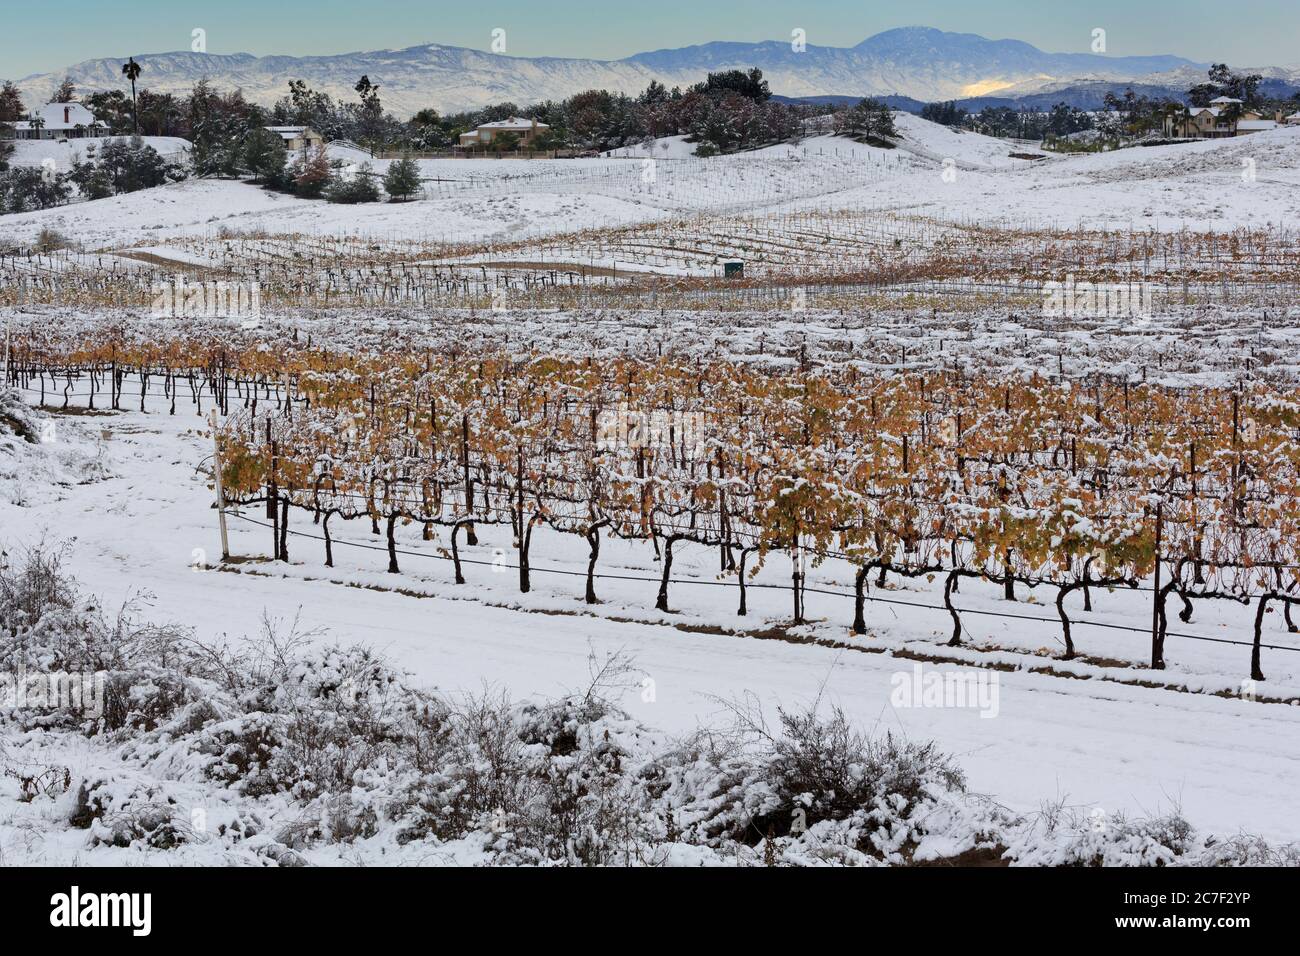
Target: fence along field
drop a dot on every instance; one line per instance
(1073, 482)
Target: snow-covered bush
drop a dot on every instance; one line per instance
(48, 627)
(818, 789)
(17, 418)
(557, 782)
(288, 748)
(1068, 836)
(119, 812)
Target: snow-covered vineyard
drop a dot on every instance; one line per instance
(516, 525)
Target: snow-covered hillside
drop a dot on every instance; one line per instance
(934, 172)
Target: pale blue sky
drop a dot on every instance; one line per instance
(42, 37)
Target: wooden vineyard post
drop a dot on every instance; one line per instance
(9, 334)
(221, 497)
(797, 579)
(8, 351)
(470, 537)
(1157, 645)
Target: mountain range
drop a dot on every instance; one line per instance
(922, 63)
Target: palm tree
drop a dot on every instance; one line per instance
(1231, 115)
(131, 70)
(1177, 115)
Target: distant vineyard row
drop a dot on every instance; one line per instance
(679, 263)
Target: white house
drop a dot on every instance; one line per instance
(60, 121)
(298, 137)
(1225, 116)
(526, 129)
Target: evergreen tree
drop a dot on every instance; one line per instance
(26, 187)
(947, 114)
(11, 103)
(870, 121)
(359, 187)
(122, 166)
(263, 155)
(11, 111)
(66, 93)
(402, 179)
(370, 116)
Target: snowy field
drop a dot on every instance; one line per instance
(128, 497)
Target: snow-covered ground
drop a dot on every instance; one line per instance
(34, 152)
(1108, 741)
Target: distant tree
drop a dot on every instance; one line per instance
(66, 92)
(370, 116)
(11, 110)
(947, 114)
(588, 116)
(882, 123)
(732, 111)
(131, 70)
(162, 114)
(359, 187)
(1137, 114)
(219, 125)
(548, 139)
(402, 180)
(869, 121)
(114, 109)
(750, 85)
(122, 166)
(311, 176)
(426, 130)
(91, 179)
(1175, 115)
(306, 107)
(263, 155)
(655, 94)
(505, 142)
(1201, 94)
(1065, 119)
(1224, 82)
(26, 187)
(11, 103)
